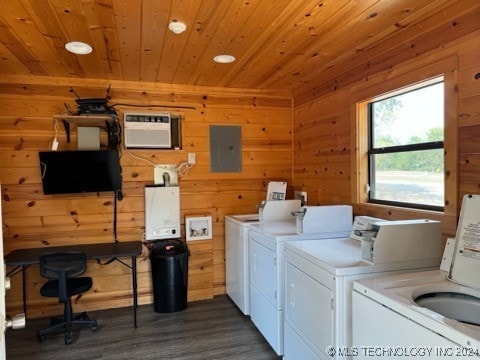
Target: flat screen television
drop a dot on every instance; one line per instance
(69, 172)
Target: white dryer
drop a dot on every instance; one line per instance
(318, 287)
(237, 270)
(437, 312)
(267, 243)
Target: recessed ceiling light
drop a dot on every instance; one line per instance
(224, 59)
(177, 27)
(79, 48)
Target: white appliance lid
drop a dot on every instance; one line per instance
(276, 190)
(465, 267)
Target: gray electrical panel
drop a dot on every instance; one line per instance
(225, 148)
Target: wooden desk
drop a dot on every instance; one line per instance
(24, 258)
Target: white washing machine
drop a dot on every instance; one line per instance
(437, 312)
(387, 318)
(236, 247)
(236, 259)
(319, 277)
(267, 242)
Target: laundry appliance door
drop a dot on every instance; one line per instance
(309, 309)
(265, 311)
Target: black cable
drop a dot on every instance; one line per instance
(164, 106)
(114, 134)
(109, 261)
(115, 193)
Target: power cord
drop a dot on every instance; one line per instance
(139, 157)
(182, 169)
(54, 143)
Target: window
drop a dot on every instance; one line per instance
(406, 148)
(409, 77)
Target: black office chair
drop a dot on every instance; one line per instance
(62, 269)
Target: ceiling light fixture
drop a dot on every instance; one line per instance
(224, 59)
(177, 27)
(78, 47)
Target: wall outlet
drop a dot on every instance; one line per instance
(302, 196)
(191, 159)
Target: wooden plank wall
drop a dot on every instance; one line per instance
(32, 219)
(323, 146)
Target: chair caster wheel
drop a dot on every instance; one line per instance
(94, 328)
(41, 338)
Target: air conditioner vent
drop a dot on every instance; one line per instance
(146, 130)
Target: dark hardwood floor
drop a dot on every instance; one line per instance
(210, 329)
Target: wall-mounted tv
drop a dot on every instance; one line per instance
(69, 172)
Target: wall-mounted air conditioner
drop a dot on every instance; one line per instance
(147, 130)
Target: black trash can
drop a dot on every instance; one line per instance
(169, 259)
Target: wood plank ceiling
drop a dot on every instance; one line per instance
(287, 45)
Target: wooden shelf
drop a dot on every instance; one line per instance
(86, 119)
(107, 121)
